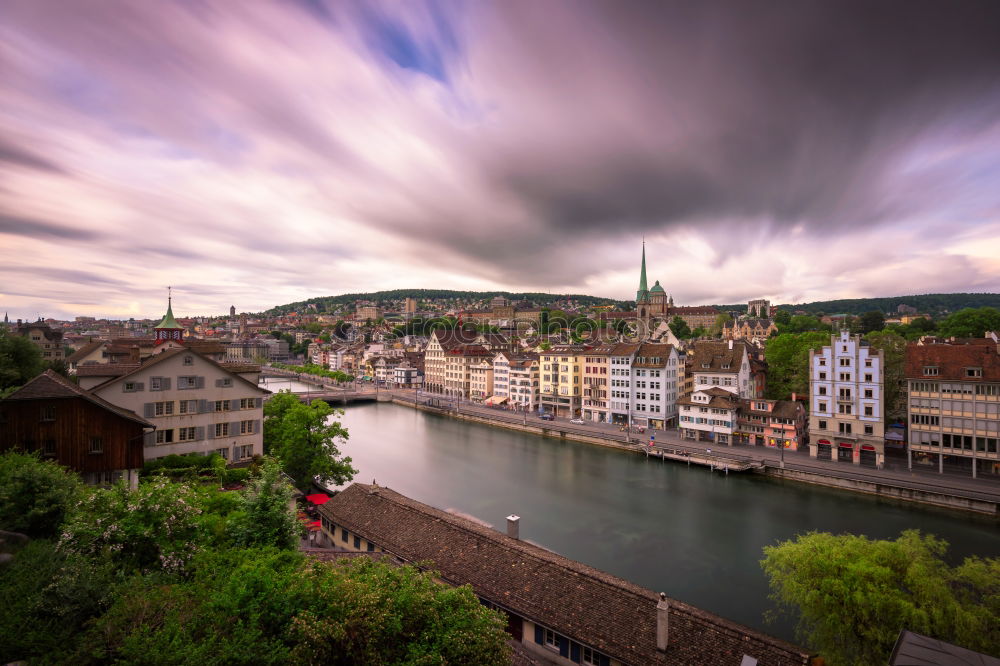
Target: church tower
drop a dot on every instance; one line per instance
(642, 294)
(169, 329)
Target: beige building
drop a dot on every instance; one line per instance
(459, 361)
(481, 380)
(562, 380)
(196, 404)
(43, 336)
(953, 405)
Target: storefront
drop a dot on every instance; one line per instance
(868, 455)
(845, 452)
(824, 449)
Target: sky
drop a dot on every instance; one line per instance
(263, 152)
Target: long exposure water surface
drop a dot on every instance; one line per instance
(694, 534)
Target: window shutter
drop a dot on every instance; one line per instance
(563, 646)
(260, 402)
(211, 432)
(147, 409)
(539, 638)
(164, 383)
(234, 428)
(202, 406)
(149, 438)
(574, 652)
(604, 660)
(139, 386)
(218, 383)
(199, 382)
(256, 426)
(234, 404)
(199, 433)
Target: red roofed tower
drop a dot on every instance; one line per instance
(168, 329)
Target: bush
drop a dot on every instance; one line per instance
(237, 475)
(35, 495)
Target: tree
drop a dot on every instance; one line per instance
(782, 318)
(872, 321)
(970, 323)
(680, 328)
(20, 360)
(852, 595)
(274, 411)
(266, 517)
(306, 440)
(720, 322)
(36, 496)
(787, 357)
(893, 348)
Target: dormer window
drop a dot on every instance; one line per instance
(930, 371)
(973, 372)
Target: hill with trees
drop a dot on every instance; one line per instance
(932, 304)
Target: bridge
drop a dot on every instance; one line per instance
(341, 397)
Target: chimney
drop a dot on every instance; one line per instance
(662, 622)
(133, 354)
(730, 345)
(512, 525)
(794, 397)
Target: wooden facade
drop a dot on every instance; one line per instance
(73, 428)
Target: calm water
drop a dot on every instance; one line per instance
(694, 534)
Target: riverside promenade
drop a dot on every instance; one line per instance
(895, 481)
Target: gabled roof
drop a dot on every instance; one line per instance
(52, 386)
(84, 351)
(718, 357)
(718, 397)
(952, 360)
(590, 606)
(171, 353)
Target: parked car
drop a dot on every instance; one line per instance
(576, 421)
(546, 417)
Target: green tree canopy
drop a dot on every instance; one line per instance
(787, 357)
(782, 318)
(680, 328)
(871, 321)
(720, 322)
(36, 495)
(306, 439)
(970, 323)
(266, 517)
(852, 595)
(20, 360)
(275, 408)
(893, 348)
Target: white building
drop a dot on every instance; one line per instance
(196, 404)
(725, 365)
(709, 415)
(846, 417)
(620, 382)
(501, 375)
(653, 386)
(523, 392)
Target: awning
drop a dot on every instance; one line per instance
(495, 400)
(867, 447)
(823, 442)
(845, 445)
(318, 498)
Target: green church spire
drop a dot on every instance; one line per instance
(643, 293)
(168, 320)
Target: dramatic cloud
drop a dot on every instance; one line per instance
(272, 151)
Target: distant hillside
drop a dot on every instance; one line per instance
(394, 298)
(932, 304)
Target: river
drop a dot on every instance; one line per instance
(694, 534)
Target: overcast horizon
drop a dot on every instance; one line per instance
(269, 152)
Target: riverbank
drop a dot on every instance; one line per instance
(932, 492)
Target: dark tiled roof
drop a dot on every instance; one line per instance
(952, 360)
(651, 350)
(587, 605)
(718, 356)
(51, 385)
(84, 351)
(159, 358)
(106, 369)
(718, 397)
(625, 349)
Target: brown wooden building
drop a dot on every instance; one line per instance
(75, 428)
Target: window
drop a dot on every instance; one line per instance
(225, 382)
(822, 361)
(822, 407)
(244, 452)
(973, 372)
(845, 362)
(589, 656)
(188, 382)
(155, 383)
(164, 436)
(49, 447)
(844, 409)
(186, 435)
(869, 411)
(822, 425)
(132, 387)
(222, 430)
(551, 639)
(930, 370)
(246, 427)
(49, 413)
(188, 360)
(822, 390)
(188, 407)
(822, 375)
(868, 363)
(248, 403)
(357, 542)
(222, 405)
(868, 393)
(845, 428)
(163, 408)
(845, 376)
(869, 429)
(343, 534)
(96, 445)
